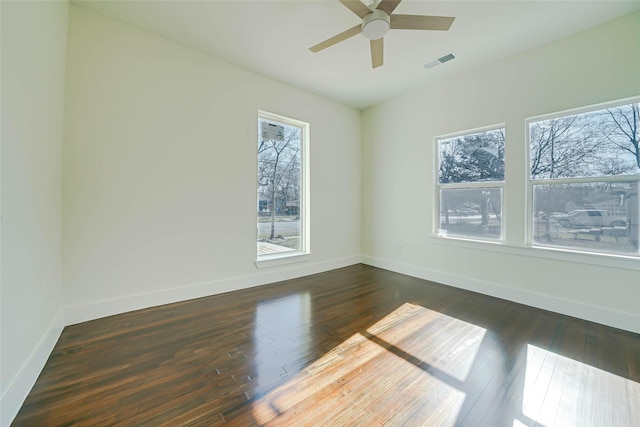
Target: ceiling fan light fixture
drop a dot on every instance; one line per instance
(376, 25)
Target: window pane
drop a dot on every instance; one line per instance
(279, 187)
(593, 144)
(597, 216)
(474, 157)
(471, 212)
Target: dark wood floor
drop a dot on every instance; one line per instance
(354, 346)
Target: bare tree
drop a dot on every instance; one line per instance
(276, 161)
(564, 147)
(603, 142)
(625, 136)
(625, 132)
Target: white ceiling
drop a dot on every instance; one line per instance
(273, 37)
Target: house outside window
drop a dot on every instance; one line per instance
(584, 175)
(282, 187)
(470, 184)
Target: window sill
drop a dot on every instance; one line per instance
(557, 254)
(275, 260)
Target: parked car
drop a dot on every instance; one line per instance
(591, 218)
(543, 216)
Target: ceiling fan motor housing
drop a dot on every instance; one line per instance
(376, 24)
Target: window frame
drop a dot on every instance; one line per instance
(304, 252)
(436, 231)
(531, 183)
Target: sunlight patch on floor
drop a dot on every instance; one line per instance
(401, 368)
(453, 354)
(555, 388)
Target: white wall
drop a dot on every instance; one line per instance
(34, 38)
(598, 65)
(159, 160)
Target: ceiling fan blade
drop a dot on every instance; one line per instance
(357, 7)
(337, 38)
(377, 52)
(420, 22)
(388, 5)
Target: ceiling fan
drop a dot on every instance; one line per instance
(377, 22)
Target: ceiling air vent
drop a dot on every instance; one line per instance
(435, 62)
(446, 58)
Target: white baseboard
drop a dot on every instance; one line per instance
(616, 319)
(17, 392)
(103, 308)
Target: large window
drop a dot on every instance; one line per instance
(470, 184)
(282, 214)
(584, 179)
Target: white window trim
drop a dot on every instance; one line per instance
(304, 253)
(435, 230)
(554, 251)
(284, 258)
(543, 252)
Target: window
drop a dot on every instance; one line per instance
(470, 184)
(584, 177)
(282, 214)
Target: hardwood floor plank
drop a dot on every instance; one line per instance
(352, 346)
